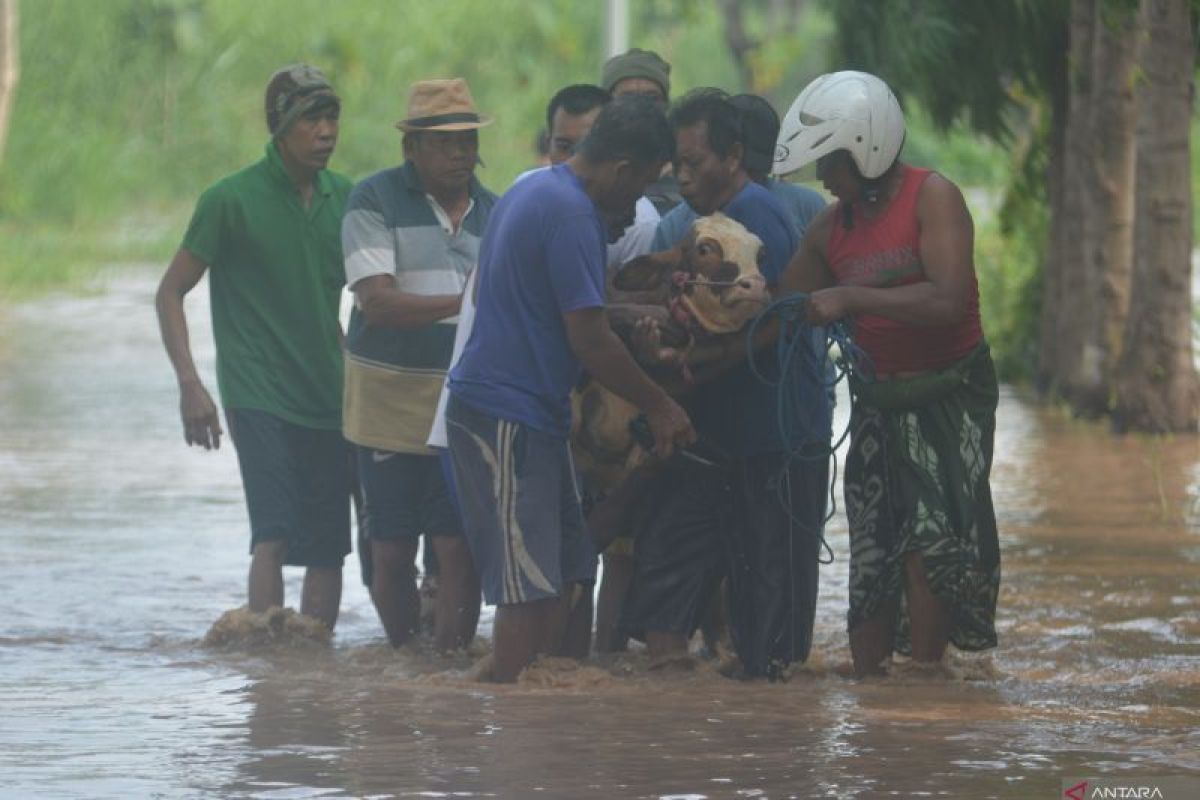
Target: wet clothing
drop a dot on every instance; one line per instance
(710, 524)
(520, 505)
(884, 251)
(297, 482)
(543, 255)
(406, 495)
(917, 481)
(275, 280)
(394, 375)
(751, 521)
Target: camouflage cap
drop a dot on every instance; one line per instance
(293, 91)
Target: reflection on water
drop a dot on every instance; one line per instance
(119, 548)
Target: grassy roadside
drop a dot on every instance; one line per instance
(37, 259)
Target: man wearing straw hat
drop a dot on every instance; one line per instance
(410, 237)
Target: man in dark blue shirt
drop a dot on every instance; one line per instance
(759, 522)
(540, 322)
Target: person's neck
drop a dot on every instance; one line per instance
(740, 179)
(450, 199)
(888, 189)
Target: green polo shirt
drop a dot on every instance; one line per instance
(275, 278)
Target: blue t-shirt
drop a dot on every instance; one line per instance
(542, 255)
(737, 410)
(801, 202)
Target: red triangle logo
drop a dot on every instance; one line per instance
(1077, 791)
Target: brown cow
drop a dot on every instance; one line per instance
(708, 285)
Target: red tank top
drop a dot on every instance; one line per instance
(885, 251)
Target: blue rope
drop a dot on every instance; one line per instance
(797, 355)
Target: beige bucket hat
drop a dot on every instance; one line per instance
(442, 105)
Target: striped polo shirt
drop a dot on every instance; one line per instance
(394, 375)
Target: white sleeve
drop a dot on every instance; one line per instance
(466, 320)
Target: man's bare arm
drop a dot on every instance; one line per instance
(605, 358)
(201, 422)
(386, 306)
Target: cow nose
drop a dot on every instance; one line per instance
(746, 283)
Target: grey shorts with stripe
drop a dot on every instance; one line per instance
(520, 506)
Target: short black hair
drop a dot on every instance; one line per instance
(713, 107)
(578, 98)
(632, 127)
(760, 129)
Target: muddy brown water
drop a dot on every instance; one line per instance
(119, 548)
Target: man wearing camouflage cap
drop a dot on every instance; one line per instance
(645, 73)
(269, 237)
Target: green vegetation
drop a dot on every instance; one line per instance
(127, 109)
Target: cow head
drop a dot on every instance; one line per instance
(714, 272)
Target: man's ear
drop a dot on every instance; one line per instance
(736, 153)
(649, 271)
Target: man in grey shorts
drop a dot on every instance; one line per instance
(540, 321)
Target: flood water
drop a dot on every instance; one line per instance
(119, 547)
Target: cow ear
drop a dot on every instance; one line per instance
(649, 271)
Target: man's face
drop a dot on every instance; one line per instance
(839, 177)
(624, 183)
(568, 131)
(639, 86)
(309, 142)
(706, 181)
(444, 160)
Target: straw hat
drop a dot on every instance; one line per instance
(442, 105)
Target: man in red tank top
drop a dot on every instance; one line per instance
(894, 256)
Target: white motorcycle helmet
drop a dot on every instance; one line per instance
(848, 110)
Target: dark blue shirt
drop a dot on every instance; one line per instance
(542, 255)
(737, 411)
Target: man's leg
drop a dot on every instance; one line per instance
(322, 594)
(394, 587)
(266, 575)
(614, 585)
(456, 614)
(576, 638)
(929, 617)
(520, 634)
(871, 642)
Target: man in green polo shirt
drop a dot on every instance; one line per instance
(270, 238)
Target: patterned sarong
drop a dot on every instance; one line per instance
(917, 481)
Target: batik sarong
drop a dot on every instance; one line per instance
(917, 481)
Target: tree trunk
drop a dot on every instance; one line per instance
(1108, 250)
(739, 43)
(1157, 387)
(9, 66)
(1061, 324)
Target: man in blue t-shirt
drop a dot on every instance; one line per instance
(753, 522)
(540, 322)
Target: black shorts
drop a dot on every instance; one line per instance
(405, 495)
(298, 482)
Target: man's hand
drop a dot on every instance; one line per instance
(826, 305)
(201, 423)
(671, 427)
(646, 344)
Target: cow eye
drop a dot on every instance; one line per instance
(704, 249)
